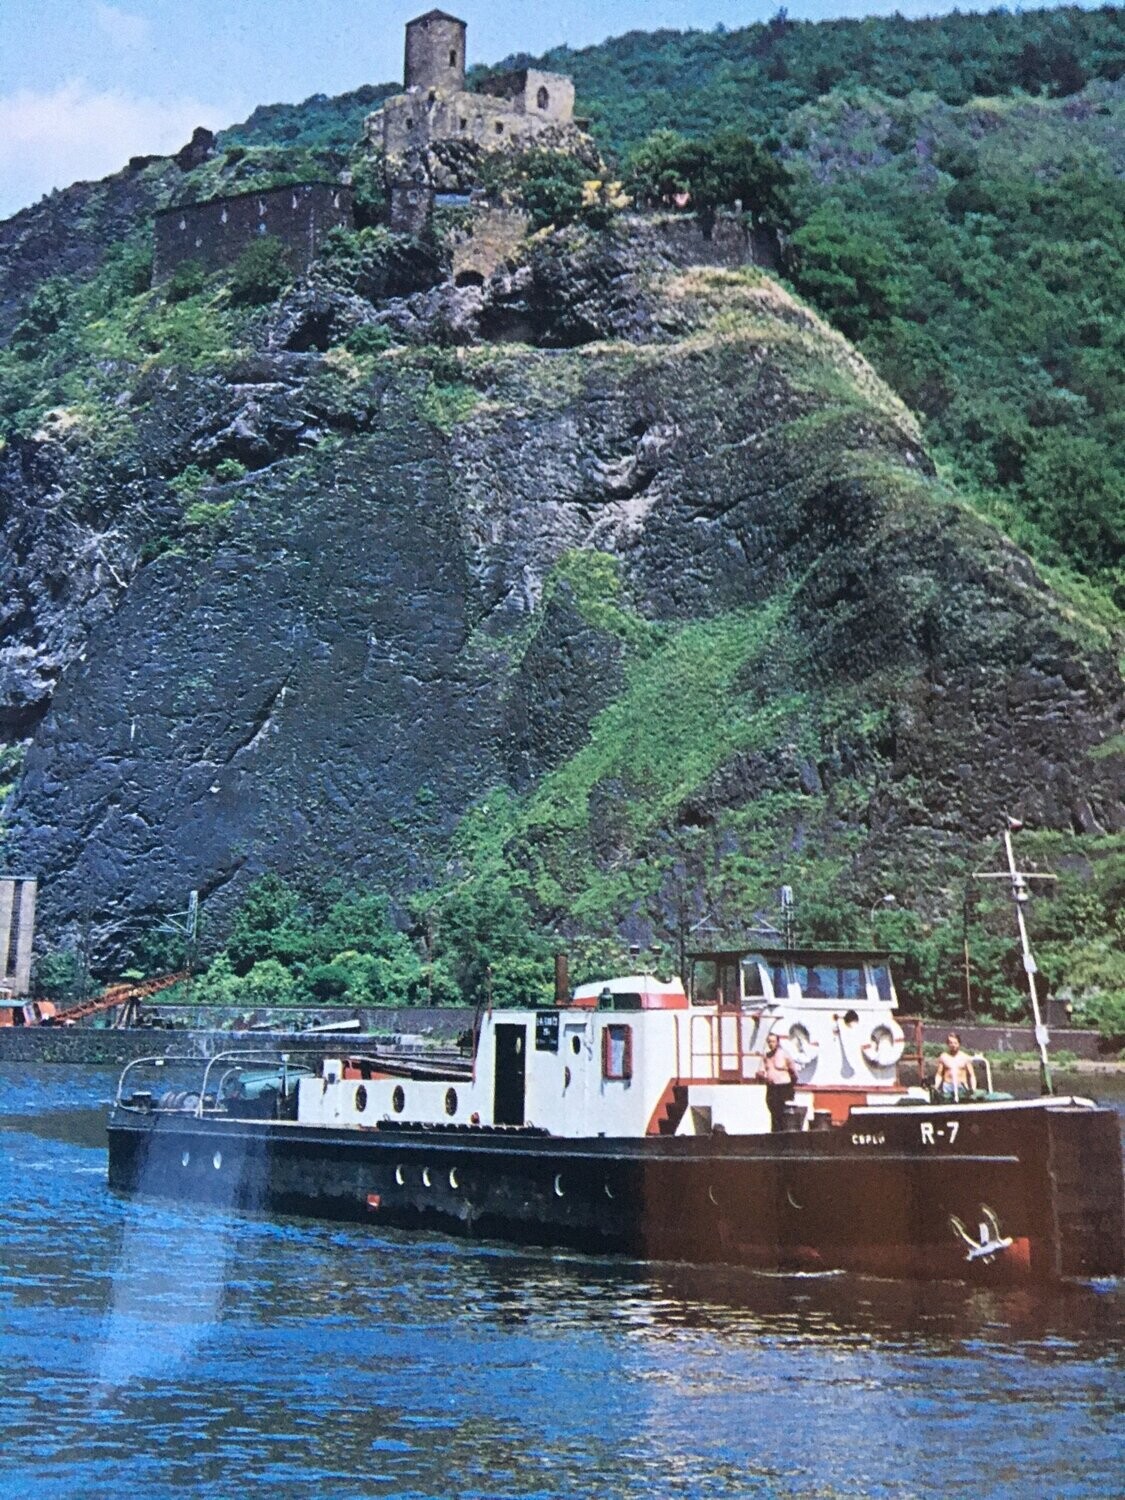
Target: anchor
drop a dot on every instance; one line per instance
(991, 1242)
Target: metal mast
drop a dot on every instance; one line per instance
(1020, 895)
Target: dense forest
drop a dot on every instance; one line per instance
(949, 193)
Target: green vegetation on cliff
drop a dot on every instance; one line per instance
(594, 604)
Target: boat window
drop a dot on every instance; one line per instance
(780, 981)
(624, 1001)
(704, 981)
(753, 983)
(799, 975)
(617, 1052)
(881, 978)
(852, 986)
(820, 983)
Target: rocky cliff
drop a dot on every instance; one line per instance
(634, 562)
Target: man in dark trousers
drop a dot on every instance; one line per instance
(780, 1073)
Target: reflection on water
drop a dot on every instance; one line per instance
(184, 1351)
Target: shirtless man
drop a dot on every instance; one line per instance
(780, 1074)
(955, 1073)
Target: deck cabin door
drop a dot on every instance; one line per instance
(509, 1075)
(728, 1022)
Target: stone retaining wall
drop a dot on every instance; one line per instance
(93, 1044)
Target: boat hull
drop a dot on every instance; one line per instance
(889, 1196)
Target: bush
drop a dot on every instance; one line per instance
(185, 281)
(59, 975)
(369, 338)
(260, 272)
(555, 188)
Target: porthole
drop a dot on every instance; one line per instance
(451, 1101)
(185, 1159)
(398, 1099)
(361, 1098)
(576, 1044)
(558, 1185)
(217, 1160)
(427, 1179)
(400, 1176)
(454, 1180)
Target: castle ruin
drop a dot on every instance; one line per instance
(215, 233)
(422, 131)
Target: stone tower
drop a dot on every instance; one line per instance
(435, 52)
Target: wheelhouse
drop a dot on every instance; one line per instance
(749, 979)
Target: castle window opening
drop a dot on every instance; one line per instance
(543, 98)
(433, 95)
(452, 59)
(499, 127)
(409, 123)
(464, 124)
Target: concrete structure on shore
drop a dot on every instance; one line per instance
(17, 934)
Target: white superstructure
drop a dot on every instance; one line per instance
(639, 1056)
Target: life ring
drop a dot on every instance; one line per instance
(885, 1045)
(800, 1045)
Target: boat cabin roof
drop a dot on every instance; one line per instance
(795, 955)
(632, 992)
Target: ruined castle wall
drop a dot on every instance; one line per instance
(217, 232)
(530, 91)
(724, 241)
(493, 236)
(415, 120)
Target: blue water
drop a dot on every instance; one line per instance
(150, 1350)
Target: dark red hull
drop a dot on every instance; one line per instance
(879, 1199)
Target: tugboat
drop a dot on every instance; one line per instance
(633, 1117)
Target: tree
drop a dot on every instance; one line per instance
(725, 169)
(848, 273)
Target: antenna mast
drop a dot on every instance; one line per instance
(1018, 880)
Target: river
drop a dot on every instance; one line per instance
(149, 1350)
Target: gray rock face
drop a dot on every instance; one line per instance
(368, 639)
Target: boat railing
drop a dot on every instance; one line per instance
(236, 1060)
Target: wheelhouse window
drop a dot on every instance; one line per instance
(753, 978)
(881, 978)
(829, 981)
(704, 982)
(617, 1052)
(715, 982)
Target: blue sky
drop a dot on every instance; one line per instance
(85, 84)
